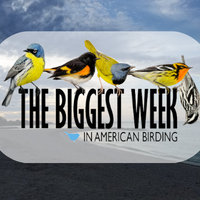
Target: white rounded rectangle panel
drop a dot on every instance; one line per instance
(133, 99)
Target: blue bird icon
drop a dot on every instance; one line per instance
(73, 136)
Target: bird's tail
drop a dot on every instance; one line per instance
(50, 70)
(131, 72)
(103, 58)
(134, 73)
(90, 47)
(8, 97)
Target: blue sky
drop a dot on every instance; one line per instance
(95, 15)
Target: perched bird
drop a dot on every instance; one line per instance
(26, 69)
(108, 68)
(76, 71)
(190, 99)
(162, 75)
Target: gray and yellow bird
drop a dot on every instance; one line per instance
(108, 68)
(26, 69)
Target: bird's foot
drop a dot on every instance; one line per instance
(100, 91)
(118, 91)
(37, 91)
(79, 88)
(168, 90)
(176, 88)
(158, 90)
(22, 90)
(82, 90)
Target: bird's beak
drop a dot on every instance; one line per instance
(26, 50)
(131, 67)
(190, 67)
(97, 58)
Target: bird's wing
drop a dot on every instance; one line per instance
(68, 68)
(105, 62)
(19, 65)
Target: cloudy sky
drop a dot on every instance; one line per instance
(99, 15)
(157, 41)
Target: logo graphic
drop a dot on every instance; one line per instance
(130, 109)
(73, 136)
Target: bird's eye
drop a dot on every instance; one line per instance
(34, 51)
(125, 69)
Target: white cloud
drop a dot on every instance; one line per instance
(21, 5)
(174, 9)
(83, 15)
